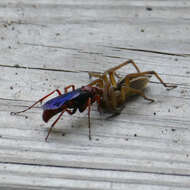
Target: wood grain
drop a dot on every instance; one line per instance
(50, 44)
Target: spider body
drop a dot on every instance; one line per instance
(117, 92)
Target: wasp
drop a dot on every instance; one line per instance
(69, 102)
(117, 92)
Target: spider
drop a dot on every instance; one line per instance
(116, 92)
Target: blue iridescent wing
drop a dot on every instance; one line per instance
(59, 101)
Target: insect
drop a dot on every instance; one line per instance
(116, 92)
(69, 102)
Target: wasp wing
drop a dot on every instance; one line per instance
(57, 102)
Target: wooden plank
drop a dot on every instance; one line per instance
(50, 44)
(72, 178)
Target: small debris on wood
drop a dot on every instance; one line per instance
(148, 8)
(183, 91)
(173, 129)
(177, 107)
(142, 30)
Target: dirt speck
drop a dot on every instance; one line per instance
(149, 8)
(142, 30)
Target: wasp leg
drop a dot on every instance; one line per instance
(39, 101)
(70, 86)
(98, 100)
(89, 128)
(68, 111)
(50, 129)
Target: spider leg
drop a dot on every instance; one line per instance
(111, 72)
(139, 92)
(127, 91)
(130, 61)
(97, 82)
(113, 98)
(134, 75)
(94, 74)
(100, 76)
(158, 77)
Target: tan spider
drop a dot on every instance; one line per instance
(116, 92)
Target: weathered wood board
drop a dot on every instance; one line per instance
(50, 44)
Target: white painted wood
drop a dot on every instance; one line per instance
(50, 44)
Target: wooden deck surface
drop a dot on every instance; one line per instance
(49, 44)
